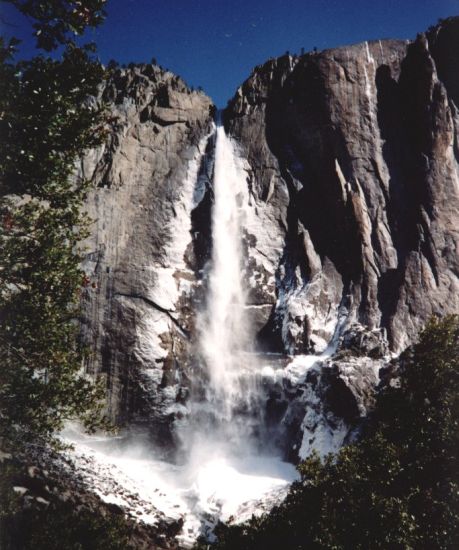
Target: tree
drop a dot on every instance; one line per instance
(398, 487)
(47, 120)
(57, 21)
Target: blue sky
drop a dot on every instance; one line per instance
(216, 43)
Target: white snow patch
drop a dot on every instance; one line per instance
(260, 221)
(320, 437)
(148, 343)
(296, 301)
(167, 288)
(296, 370)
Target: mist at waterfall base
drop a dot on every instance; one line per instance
(209, 487)
(228, 456)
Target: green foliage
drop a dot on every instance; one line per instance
(76, 530)
(56, 524)
(398, 487)
(46, 122)
(57, 21)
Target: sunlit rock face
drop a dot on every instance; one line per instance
(146, 245)
(353, 156)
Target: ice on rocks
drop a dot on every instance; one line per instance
(300, 365)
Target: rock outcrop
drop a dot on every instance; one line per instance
(142, 263)
(354, 154)
(319, 402)
(43, 483)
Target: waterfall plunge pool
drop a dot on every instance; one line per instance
(214, 485)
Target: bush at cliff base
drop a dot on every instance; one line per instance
(398, 487)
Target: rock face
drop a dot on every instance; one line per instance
(354, 154)
(142, 264)
(318, 402)
(351, 159)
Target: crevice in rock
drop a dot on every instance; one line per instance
(156, 306)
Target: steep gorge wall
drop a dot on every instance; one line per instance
(351, 162)
(141, 263)
(355, 152)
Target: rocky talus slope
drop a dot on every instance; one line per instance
(49, 484)
(351, 161)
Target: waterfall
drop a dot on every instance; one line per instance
(224, 326)
(224, 329)
(369, 78)
(225, 465)
(229, 410)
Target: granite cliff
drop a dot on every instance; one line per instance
(351, 160)
(355, 152)
(140, 264)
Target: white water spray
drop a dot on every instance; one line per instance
(224, 327)
(229, 412)
(225, 335)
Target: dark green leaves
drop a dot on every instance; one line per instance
(57, 22)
